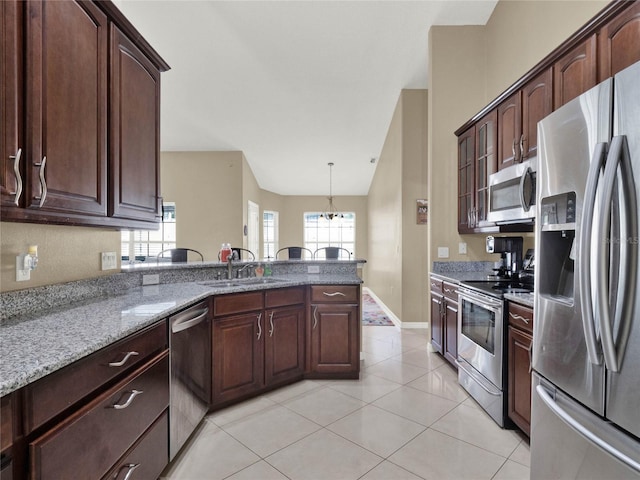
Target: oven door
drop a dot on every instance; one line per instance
(480, 341)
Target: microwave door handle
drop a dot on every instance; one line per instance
(584, 255)
(618, 157)
(526, 203)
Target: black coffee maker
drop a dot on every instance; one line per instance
(510, 250)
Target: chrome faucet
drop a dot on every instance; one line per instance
(245, 267)
(229, 267)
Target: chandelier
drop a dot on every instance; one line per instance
(331, 211)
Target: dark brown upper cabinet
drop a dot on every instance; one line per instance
(575, 72)
(620, 42)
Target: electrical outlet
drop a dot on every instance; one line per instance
(313, 268)
(462, 248)
(22, 274)
(153, 279)
(109, 261)
(443, 252)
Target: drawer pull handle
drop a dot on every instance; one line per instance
(130, 468)
(334, 294)
(519, 317)
(448, 290)
(134, 394)
(315, 318)
(124, 360)
(16, 171)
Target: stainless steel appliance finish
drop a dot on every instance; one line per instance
(586, 338)
(190, 376)
(512, 194)
(480, 348)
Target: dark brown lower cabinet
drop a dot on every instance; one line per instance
(519, 347)
(89, 442)
(238, 359)
(335, 331)
(258, 349)
(444, 319)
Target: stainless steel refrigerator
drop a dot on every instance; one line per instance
(585, 420)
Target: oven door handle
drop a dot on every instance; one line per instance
(481, 302)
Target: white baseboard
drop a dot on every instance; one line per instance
(396, 321)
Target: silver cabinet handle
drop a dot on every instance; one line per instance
(522, 147)
(130, 468)
(448, 290)
(132, 395)
(259, 326)
(513, 148)
(16, 171)
(519, 317)
(43, 181)
(334, 294)
(315, 317)
(271, 324)
(124, 360)
(530, 350)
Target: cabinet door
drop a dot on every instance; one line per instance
(437, 325)
(451, 331)
(66, 95)
(537, 103)
(519, 385)
(466, 180)
(485, 163)
(335, 339)
(575, 72)
(135, 133)
(284, 344)
(620, 42)
(11, 95)
(238, 362)
(509, 131)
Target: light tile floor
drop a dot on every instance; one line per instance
(405, 418)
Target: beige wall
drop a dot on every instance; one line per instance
(397, 260)
(64, 253)
(207, 190)
(470, 66)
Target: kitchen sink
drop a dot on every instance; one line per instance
(241, 282)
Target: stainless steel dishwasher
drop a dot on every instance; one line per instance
(190, 376)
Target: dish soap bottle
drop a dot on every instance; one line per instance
(259, 270)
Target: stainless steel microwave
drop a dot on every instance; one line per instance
(512, 194)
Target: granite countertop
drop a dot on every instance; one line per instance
(35, 345)
(521, 298)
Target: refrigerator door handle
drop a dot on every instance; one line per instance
(575, 424)
(588, 318)
(618, 157)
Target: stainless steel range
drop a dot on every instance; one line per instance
(482, 343)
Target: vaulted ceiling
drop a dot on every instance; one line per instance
(292, 84)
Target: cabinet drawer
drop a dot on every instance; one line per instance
(450, 290)
(60, 390)
(237, 303)
(335, 294)
(436, 285)
(521, 317)
(88, 443)
(149, 455)
(283, 296)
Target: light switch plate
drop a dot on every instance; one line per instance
(313, 268)
(22, 275)
(462, 248)
(152, 279)
(443, 252)
(109, 261)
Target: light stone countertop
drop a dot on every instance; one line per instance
(33, 346)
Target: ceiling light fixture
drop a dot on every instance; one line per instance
(331, 212)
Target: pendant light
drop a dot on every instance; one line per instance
(331, 212)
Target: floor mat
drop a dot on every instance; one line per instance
(372, 313)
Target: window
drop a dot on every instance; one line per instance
(139, 245)
(340, 232)
(269, 234)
